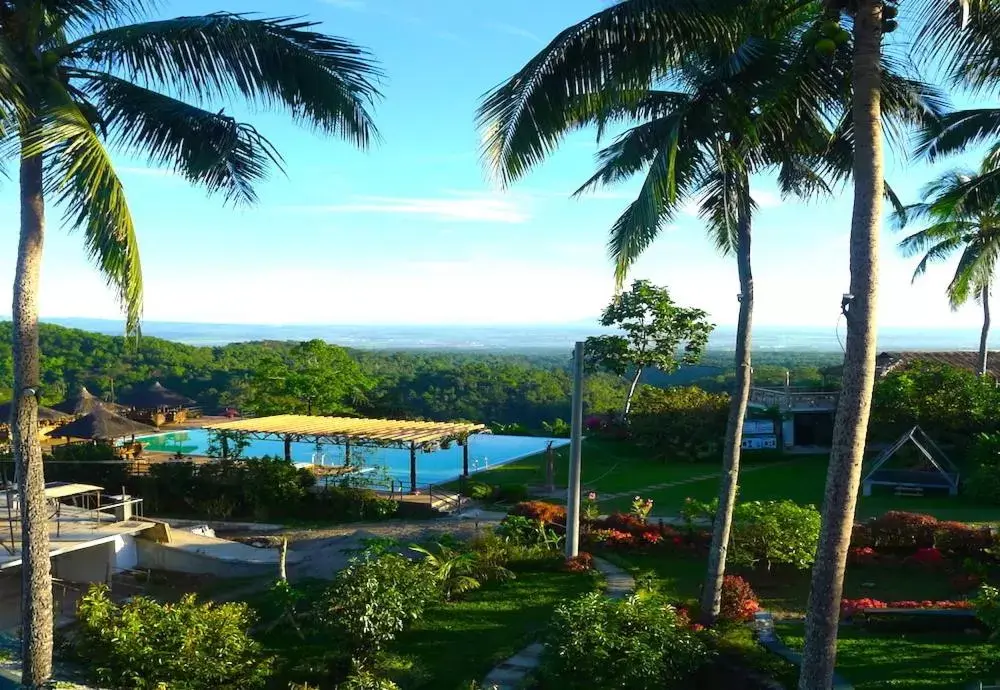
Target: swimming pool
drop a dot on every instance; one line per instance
(485, 451)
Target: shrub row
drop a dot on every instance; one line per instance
(849, 607)
(901, 532)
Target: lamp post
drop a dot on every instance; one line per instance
(575, 454)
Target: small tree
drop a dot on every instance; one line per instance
(654, 332)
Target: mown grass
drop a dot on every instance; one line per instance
(617, 466)
(872, 660)
(455, 644)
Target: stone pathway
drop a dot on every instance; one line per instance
(681, 482)
(512, 673)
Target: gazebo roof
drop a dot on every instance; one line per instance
(103, 425)
(45, 414)
(359, 431)
(84, 403)
(157, 396)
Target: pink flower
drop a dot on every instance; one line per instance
(638, 498)
(592, 496)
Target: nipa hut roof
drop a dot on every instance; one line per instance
(157, 396)
(84, 403)
(45, 414)
(103, 425)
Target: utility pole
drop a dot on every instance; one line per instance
(575, 453)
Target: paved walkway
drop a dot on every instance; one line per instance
(512, 673)
(681, 482)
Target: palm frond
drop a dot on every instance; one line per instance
(954, 132)
(82, 180)
(629, 45)
(324, 81)
(208, 149)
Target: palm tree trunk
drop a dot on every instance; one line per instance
(631, 392)
(983, 351)
(850, 428)
(36, 578)
(712, 592)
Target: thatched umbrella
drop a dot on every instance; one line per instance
(84, 403)
(157, 397)
(102, 425)
(46, 415)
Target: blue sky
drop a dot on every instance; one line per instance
(413, 232)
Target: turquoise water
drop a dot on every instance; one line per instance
(485, 451)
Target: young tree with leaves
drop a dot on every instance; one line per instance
(76, 76)
(654, 331)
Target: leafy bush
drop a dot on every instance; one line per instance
(956, 539)
(580, 563)
(597, 643)
(774, 533)
(478, 490)
(680, 423)
(983, 484)
(362, 679)
(549, 513)
(987, 605)
(372, 599)
(186, 645)
(527, 532)
(901, 531)
(457, 571)
(739, 601)
(511, 493)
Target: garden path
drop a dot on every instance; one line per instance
(512, 673)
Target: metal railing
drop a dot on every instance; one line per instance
(794, 399)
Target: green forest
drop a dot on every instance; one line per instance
(315, 377)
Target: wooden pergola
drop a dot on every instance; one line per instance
(347, 431)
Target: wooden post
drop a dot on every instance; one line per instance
(413, 467)
(347, 452)
(575, 453)
(550, 468)
(465, 458)
(288, 448)
(224, 440)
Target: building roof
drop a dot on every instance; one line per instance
(155, 397)
(85, 402)
(363, 431)
(45, 414)
(962, 359)
(102, 424)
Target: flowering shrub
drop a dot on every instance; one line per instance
(612, 537)
(861, 536)
(651, 536)
(898, 530)
(640, 643)
(862, 555)
(641, 508)
(956, 539)
(551, 514)
(929, 557)
(739, 602)
(849, 607)
(589, 508)
(580, 563)
(626, 522)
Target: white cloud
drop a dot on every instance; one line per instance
(461, 206)
(517, 31)
(765, 199)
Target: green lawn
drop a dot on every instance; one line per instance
(457, 643)
(873, 660)
(614, 466)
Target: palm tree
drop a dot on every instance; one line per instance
(73, 79)
(746, 102)
(869, 20)
(954, 227)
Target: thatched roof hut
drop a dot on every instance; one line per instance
(84, 403)
(102, 425)
(157, 397)
(46, 415)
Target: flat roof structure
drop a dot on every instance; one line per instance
(348, 431)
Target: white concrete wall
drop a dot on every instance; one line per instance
(85, 565)
(126, 554)
(788, 432)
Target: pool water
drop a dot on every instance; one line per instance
(485, 451)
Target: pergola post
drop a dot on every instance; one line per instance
(288, 448)
(224, 441)
(413, 467)
(347, 451)
(465, 458)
